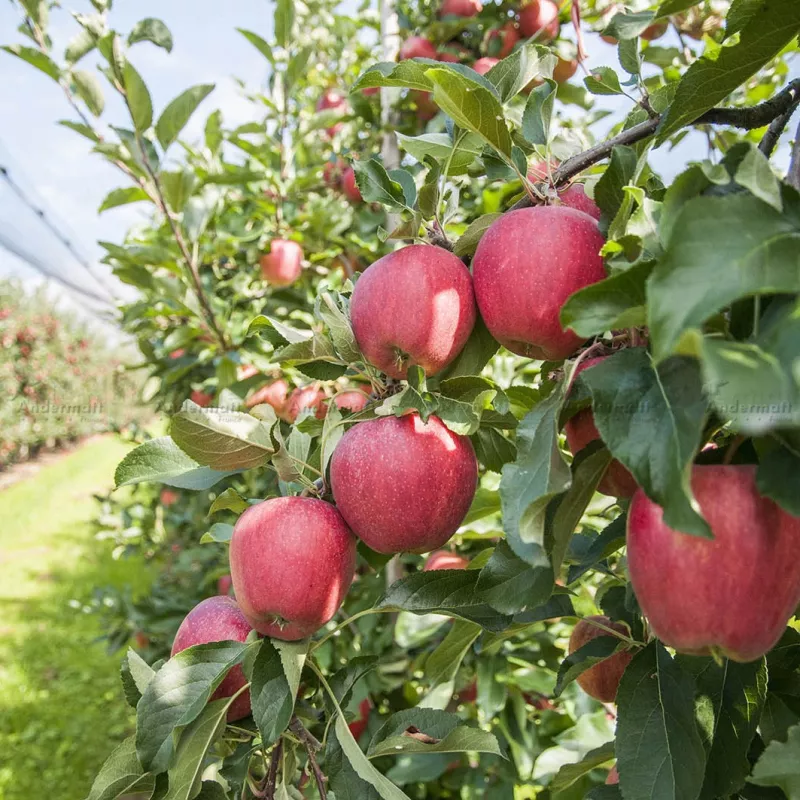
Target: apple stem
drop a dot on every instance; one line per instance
(311, 745)
(268, 792)
(584, 355)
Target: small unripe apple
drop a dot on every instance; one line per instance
(445, 559)
(310, 396)
(581, 431)
(539, 15)
(602, 680)
(460, 8)
(218, 619)
(417, 47)
(564, 69)
(526, 266)
(413, 306)
(613, 776)
(351, 400)
(402, 484)
(350, 187)
(360, 723)
(574, 196)
(274, 394)
(500, 41)
(483, 65)
(224, 585)
(426, 107)
(202, 399)
(731, 595)
(168, 497)
(292, 562)
(283, 264)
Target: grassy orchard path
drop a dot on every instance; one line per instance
(60, 709)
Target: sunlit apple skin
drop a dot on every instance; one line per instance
(310, 396)
(417, 47)
(460, 8)
(403, 485)
(292, 562)
(575, 197)
(613, 776)
(526, 266)
(581, 431)
(539, 15)
(602, 680)
(274, 394)
(444, 559)
(483, 65)
(350, 187)
(415, 306)
(351, 400)
(218, 619)
(732, 595)
(564, 70)
(508, 36)
(283, 264)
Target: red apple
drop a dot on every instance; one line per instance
(564, 69)
(426, 107)
(539, 170)
(274, 394)
(142, 639)
(202, 399)
(483, 65)
(224, 585)
(526, 266)
(733, 594)
(445, 559)
(246, 371)
(350, 187)
(168, 497)
(351, 400)
(460, 8)
(539, 15)
(179, 353)
(218, 619)
(655, 31)
(359, 724)
(417, 47)
(310, 396)
(500, 41)
(402, 484)
(292, 562)
(469, 694)
(602, 680)
(283, 264)
(332, 100)
(613, 776)
(580, 431)
(332, 171)
(449, 58)
(575, 196)
(371, 91)
(413, 306)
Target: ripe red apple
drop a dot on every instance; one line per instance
(500, 41)
(460, 8)
(417, 47)
(483, 65)
(246, 371)
(613, 776)
(332, 171)
(426, 107)
(310, 396)
(580, 431)
(732, 595)
(526, 266)
(539, 15)
(274, 394)
(413, 306)
(218, 619)
(350, 187)
(402, 484)
(332, 100)
(539, 170)
(359, 724)
(142, 639)
(283, 264)
(224, 584)
(564, 69)
(574, 196)
(602, 680)
(449, 58)
(445, 559)
(168, 497)
(654, 31)
(202, 399)
(292, 562)
(469, 694)
(179, 353)
(351, 400)
(371, 91)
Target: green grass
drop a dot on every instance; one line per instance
(61, 706)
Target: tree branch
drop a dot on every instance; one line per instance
(793, 178)
(770, 139)
(311, 745)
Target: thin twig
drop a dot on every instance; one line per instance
(770, 139)
(311, 745)
(793, 178)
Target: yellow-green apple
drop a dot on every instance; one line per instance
(731, 595)
(581, 430)
(539, 17)
(274, 394)
(218, 619)
(444, 559)
(415, 306)
(602, 680)
(526, 266)
(379, 465)
(417, 47)
(350, 187)
(483, 65)
(292, 562)
(500, 41)
(460, 8)
(283, 264)
(350, 400)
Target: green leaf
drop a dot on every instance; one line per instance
(229, 500)
(88, 88)
(668, 7)
(471, 107)
(509, 584)
(338, 322)
(344, 780)
(82, 43)
(729, 701)
(609, 192)
(539, 112)
(121, 197)
(151, 30)
(259, 44)
(538, 474)
(408, 74)
(36, 58)
(275, 679)
(516, 71)
(492, 449)
(603, 80)
(136, 675)
(79, 127)
(219, 532)
(439, 146)
(376, 186)
(651, 419)
(161, 460)
(468, 242)
(629, 26)
(660, 753)
(629, 56)
(584, 658)
(570, 774)
(719, 71)
(442, 664)
(177, 695)
(230, 440)
(777, 479)
(284, 22)
(609, 541)
(614, 303)
(755, 173)
(138, 97)
(121, 774)
(736, 235)
(175, 116)
(778, 765)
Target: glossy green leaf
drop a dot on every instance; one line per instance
(174, 117)
(778, 765)
(151, 30)
(121, 774)
(36, 58)
(121, 197)
(593, 652)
